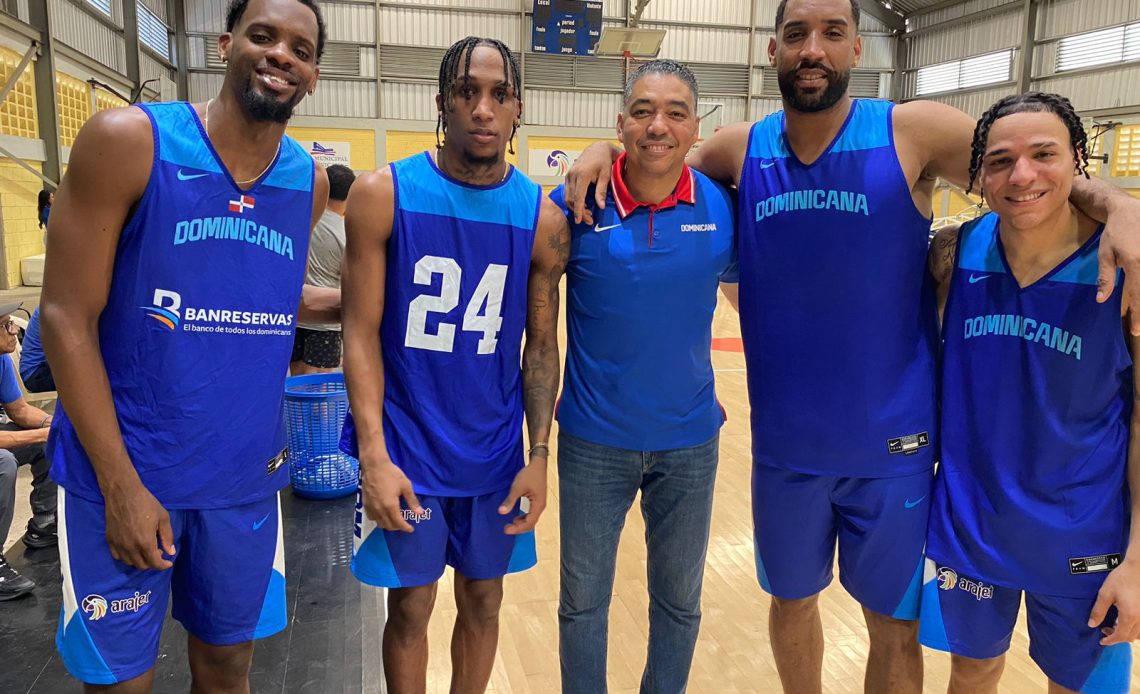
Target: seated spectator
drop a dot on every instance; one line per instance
(34, 368)
(22, 443)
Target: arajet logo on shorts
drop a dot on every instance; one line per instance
(948, 579)
(95, 606)
(410, 515)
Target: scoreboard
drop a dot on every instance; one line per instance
(566, 27)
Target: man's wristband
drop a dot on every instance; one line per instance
(544, 447)
(44, 423)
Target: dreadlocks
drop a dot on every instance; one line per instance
(1030, 102)
(448, 72)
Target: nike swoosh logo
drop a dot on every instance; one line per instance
(767, 164)
(911, 504)
(612, 226)
(189, 177)
(977, 278)
(261, 522)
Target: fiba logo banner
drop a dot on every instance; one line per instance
(165, 309)
(95, 606)
(558, 161)
(552, 162)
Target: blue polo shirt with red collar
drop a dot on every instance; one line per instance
(641, 288)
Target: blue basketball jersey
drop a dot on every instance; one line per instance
(198, 327)
(455, 308)
(1036, 400)
(836, 309)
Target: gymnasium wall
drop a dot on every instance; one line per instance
(981, 27)
(1107, 93)
(19, 133)
(86, 44)
(382, 60)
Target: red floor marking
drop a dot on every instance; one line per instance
(728, 344)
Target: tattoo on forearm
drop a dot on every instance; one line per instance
(540, 358)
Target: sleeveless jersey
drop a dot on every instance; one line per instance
(198, 327)
(837, 311)
(1036, 400)
(455, 308)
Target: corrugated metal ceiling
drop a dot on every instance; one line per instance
(907, 7)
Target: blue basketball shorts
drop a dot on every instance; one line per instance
(465, 533)
(227, 585)
(975, 619)
(878, 523)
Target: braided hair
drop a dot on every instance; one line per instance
(1030, 102)
(448, 72)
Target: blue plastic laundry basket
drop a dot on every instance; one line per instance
(315, 407)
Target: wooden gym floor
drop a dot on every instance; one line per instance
(733, 652)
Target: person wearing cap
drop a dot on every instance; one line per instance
(22, 440)
(638, 411)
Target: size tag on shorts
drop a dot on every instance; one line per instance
(1095, 564)
(908, 445)
(276, 462)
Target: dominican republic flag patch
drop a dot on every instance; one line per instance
(241, 204)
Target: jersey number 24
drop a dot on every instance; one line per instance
(489, 292)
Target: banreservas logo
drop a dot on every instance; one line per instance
(168, 310)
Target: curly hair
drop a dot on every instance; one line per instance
(448, 72)
(1030, 102)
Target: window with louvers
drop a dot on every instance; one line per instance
(152, 32)
(971, 72)
(1112, 45)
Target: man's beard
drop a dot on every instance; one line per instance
(819, 101)
(263, 107)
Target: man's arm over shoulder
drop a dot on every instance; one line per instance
(940, 262)
(721, 157)
(934, 141)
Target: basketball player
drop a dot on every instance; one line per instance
(1040, 444)
(843, 404)
(175, 261)
(449, 254)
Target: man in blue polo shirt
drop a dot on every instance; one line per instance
(638, 409)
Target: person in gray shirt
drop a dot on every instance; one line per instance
(317, 346)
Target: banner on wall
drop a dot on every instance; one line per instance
(552, 162)
(328, 152)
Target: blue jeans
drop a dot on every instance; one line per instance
(597, 485)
